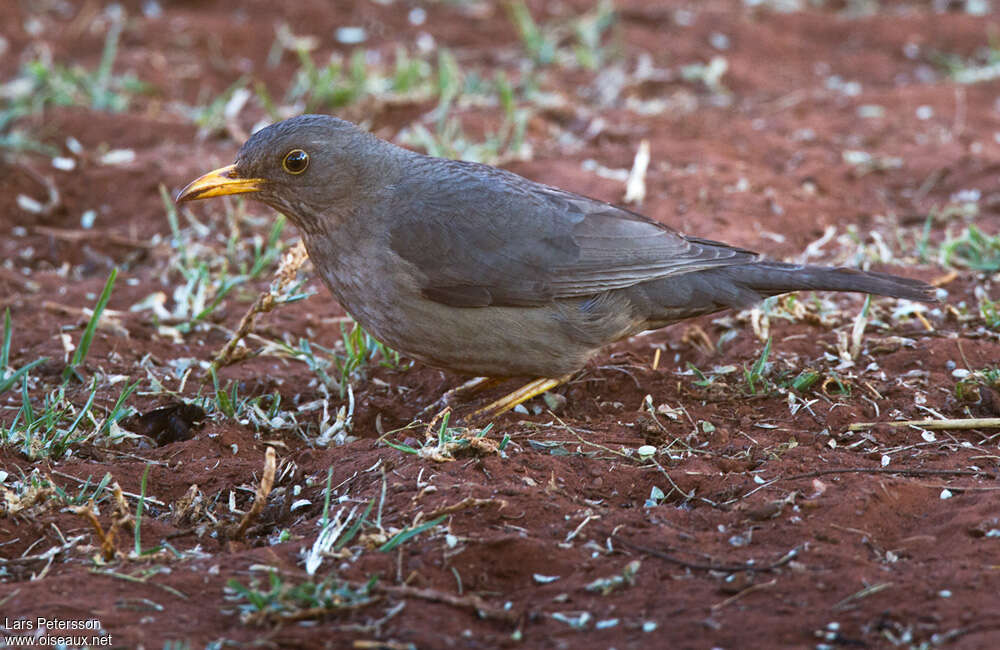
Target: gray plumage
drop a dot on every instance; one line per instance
(479, 270)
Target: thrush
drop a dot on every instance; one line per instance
(475, 269)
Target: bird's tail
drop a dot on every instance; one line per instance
(772, 278)
(743, 285)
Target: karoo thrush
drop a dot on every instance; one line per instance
(475, 269)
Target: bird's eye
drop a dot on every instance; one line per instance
(295, 161)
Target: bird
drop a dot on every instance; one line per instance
(475, 269)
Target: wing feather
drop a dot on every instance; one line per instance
(482, 236)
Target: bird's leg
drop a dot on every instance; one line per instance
(519, 396)
(471, 387)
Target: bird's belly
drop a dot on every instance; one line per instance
(487, 341)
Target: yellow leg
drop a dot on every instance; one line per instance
(519, 396)
(471, 387)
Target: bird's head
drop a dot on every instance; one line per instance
(303, 167)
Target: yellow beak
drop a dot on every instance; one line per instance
(219, 182)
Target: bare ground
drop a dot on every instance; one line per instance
(764, 519)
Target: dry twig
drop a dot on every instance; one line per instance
(263, 491)
(468, 502)
(698, 566)
(474, 603)
(290, 264)
(968, 423)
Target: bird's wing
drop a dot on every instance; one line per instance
(481, 236)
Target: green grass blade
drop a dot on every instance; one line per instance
(409, 533)
(325, 519)
(138, 509)
(5, 348)
(401, 447)
(8, 382)
(102, 98)
(351, 532)
(29, 414)
(88, 333)
(114, 415)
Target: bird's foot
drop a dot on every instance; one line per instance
(471, 387)
(519, 396)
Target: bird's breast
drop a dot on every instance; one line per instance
(371, 284)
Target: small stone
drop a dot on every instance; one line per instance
(554, 401)
(646, 451)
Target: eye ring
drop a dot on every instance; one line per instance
(295, 162)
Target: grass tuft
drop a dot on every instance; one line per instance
(8, 376)
(43, 83)
(282, 599)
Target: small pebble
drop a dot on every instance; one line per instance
(417, 16)
(64, 163)
(118, 157)
(351, 35)
(29, 204)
